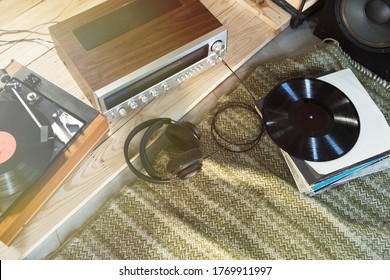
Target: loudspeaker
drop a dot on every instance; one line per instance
(184, 136)
(362, 28)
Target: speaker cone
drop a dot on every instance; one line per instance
(365, 21)
(369, 48)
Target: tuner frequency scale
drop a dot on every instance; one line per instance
(125, 53)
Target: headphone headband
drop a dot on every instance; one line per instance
(130, 137)
(144, 141)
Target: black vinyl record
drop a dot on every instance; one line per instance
(23, 157)
(311, 119)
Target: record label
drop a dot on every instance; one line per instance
(311, 119)
(7, 146)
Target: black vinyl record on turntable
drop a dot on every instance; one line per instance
(34, 130)
(23, 156)
(311, 119)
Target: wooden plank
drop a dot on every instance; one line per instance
(247, 34)
(12, 9)
(268, 11)
(37, 17)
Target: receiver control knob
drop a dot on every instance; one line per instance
(122, 112)
(143, 98)
(166, 86)
(154, 92)
(133, 105)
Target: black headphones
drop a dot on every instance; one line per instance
(184, 135)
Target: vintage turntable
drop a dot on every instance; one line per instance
(43, 133)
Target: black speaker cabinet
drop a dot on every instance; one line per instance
(362, 27)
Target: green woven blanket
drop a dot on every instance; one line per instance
(246, 206)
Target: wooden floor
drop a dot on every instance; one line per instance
(247, 34)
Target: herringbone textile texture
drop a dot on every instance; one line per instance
(246, 206)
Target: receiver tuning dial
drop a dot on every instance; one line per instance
(218, 48)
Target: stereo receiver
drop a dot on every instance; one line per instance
(124, 53)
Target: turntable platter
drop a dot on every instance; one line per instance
(23, 157)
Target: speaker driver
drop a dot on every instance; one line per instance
(365, 21)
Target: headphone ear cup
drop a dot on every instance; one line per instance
(183, 137)
(193, 128)
(186, 164)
